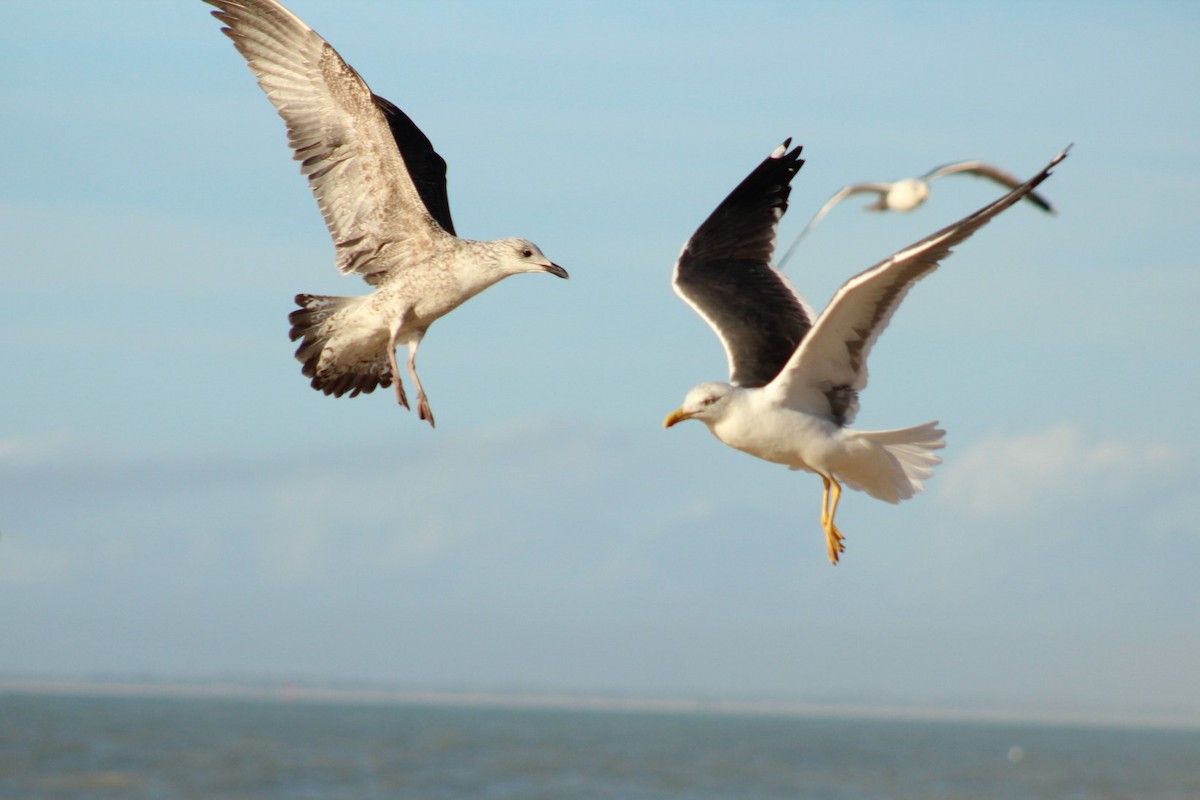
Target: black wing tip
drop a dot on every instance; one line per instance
(778, 168)
(1026, 189)
(742, 227)
(1041, 202)
(1046, 172)
(1058, 158)
(1036, 180)
(783, 153)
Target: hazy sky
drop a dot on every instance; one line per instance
(176, 502)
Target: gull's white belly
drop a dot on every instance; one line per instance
(783, 436)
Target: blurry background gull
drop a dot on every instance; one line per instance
(909, 194)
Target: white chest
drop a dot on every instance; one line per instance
(779, 435)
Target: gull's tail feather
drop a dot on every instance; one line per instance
(336, 361)
(902, 460)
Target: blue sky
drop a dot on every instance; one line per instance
(176, 502)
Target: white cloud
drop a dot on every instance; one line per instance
(1012, 476)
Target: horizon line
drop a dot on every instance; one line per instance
(289, 691)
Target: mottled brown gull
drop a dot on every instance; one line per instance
(795, 377)
(382, 190)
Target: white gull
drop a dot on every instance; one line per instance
(382, 190)
(909, 194)
(795, 377)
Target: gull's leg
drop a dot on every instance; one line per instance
(833, 537)
(825, 504)
(422, 400)
(829, 501)
(391, 349)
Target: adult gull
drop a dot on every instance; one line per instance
(909, 194)
(795, 377)
(381, 188)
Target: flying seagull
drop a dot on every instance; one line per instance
(382, 190)
(910, 193)
(795, 377)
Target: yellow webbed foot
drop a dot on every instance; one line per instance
(829, 503)
(834, 541)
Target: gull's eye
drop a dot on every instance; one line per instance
(708, 401)
(526, 253)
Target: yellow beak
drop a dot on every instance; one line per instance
(678, 415)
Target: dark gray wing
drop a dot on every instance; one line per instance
(426, 168)
(725, 274)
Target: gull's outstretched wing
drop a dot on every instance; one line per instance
(829, 368)
(348, 141)
(982, 169)
(426, 168)
(724, 272)
(880, 189)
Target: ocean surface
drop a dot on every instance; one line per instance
(60, 747)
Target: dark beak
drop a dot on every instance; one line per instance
(555, 269)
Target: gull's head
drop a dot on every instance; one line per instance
(707, 403)
(907, 194)
(522, 255)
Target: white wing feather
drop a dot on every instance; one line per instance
(831, 362)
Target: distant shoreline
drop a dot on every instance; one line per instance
(285, 692)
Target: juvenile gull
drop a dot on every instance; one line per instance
(910, 193)
(795, 377)
(382, 190)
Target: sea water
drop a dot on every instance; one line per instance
(76, 747)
